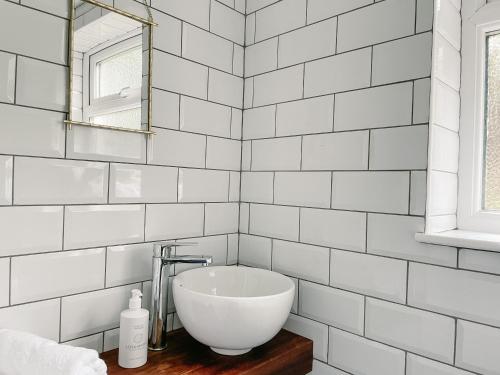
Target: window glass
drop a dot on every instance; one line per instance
(491, 185)
(119, 71)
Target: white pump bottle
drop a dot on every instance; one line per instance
(133, 349)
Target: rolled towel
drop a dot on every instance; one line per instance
(26, 354)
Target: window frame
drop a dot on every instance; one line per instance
(470, 215)
(112, 103)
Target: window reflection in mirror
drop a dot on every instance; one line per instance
(109, 69)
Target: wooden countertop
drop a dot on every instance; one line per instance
(287, 353)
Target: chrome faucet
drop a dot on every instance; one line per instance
(163, 258)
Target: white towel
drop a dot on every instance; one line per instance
(26, 354)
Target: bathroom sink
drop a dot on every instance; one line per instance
(232, 309)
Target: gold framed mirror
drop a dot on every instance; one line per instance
(111, 58)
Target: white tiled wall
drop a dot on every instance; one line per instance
(79, 209)
(335, 160)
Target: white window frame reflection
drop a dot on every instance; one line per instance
(129, 98)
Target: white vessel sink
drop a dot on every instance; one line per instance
(232, 309)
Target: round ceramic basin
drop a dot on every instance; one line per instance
(232, 309)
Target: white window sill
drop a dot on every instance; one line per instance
(463, 239)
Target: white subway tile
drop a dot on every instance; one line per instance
(167, 34)
(240, 6)
(225, 89)
(248, 86)
(278, 86)
(261, 57)
(448, 21)
(276, 154)
(270, 21)
(368, 274)
(223, 154)
(200, 185)
(477, 348)
(319, 368)
(88, 313)
(340, 229)
(4, 281)
(238, 60)
(257, 187)
(399, 148)
(165, 109)
(418, 192)
(336, 151)
(193, 11)
(221, 218)
(253, 5)
(128, 264)
(425, 15)
(204, 117)
(394, 236)
(363, 27)
(382, 106)
(31, 229)
(46, 27)
(46, 130)
(104, 144)
(206, 48)
(59, 181)
(58, 8)
(175, 148)
(109, 225)
(445, 106)
(310, 189)
(334, 307)
(259, 122)
(49, 92)
(442, 193)
(234, 186)
(39, 318)
(314, 331)
(364, 357)
(228, 23)
(250, 29)
(6, 170)
(215, 246)
(246, 155)
(371, 191)
(178, 75)
(321, 9)
(305, 116)
(236, 123)
(416, 365)
(308, 43)
(444, 149)
(94, 342)
(7, 77)
(275, 221)
(302, 261)
(447, 63)
(255, 251)
(42, 276)
(232, 248)
(402, 59)
(482, 261)
(421, 100)
(458, 293)
(172, 221)
(415, 330)
(348, 71)
(131, 183)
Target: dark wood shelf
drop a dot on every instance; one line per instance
(287, 353)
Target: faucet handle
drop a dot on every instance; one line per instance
(162, 249)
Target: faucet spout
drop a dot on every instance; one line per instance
(163, 259)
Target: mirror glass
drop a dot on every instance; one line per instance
(109, 68)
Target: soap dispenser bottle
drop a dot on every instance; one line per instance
(133, 347)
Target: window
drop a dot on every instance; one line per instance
(479, 170)
(113, 85)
